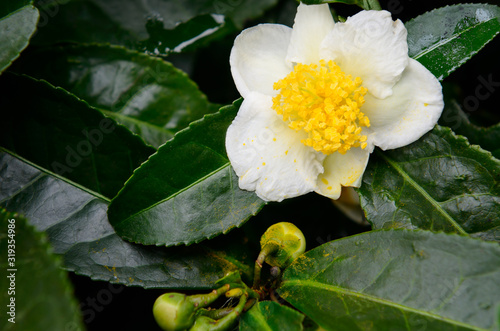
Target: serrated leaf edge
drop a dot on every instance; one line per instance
(28, 38)
(47, 172)
(417, 187)
(193, 124)
(443, 42)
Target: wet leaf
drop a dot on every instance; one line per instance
(147, 95)
(196, 32)
(445, 38)
(44, 304)
(76, 224)
(144, 25)
(18, 21)
(60, 132)
(187, 191)
(438, 183)
(398, 280)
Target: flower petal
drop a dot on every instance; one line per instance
(342, 170)
(267, 155)
(312, 24)
(258, 58)
(372, 46)
(413, 109)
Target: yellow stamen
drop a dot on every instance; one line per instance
(324, 102)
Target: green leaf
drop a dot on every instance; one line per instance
(445, 38)
(57, 131)
(196, 32)
(488, 138)
(398, 280)
(187, 191)
(143, 24)
(17, 25)
(269, 316)
(438, 183)
(147, 95)
(75, 221)
(365, 4)
(38, 291)
(498, 315)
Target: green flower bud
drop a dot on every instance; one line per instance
(174, 311)
(286, 242)
(281, 244)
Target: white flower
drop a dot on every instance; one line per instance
(320, 96)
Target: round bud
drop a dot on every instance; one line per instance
(174, 311)
(235, 292)
(289, 243)
(275, 272)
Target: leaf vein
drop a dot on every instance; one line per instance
(172, 196)
(368, 297)
(444, 42)
(426, 195)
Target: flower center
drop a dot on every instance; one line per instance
(324, 102)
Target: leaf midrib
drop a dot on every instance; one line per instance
(52, 174)
(225, 165)
(426, 195)
(453, 37)
(344, 291)
(136, 121)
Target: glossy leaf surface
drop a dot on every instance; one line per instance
(187, 191)
(76, 223)
(196, 32)
(42, 293)
(18, 21)
(398, 280)
(60, 132)
(269, 316)
(445, 38)
(147, 95)
(438, 183)
(142, 25)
